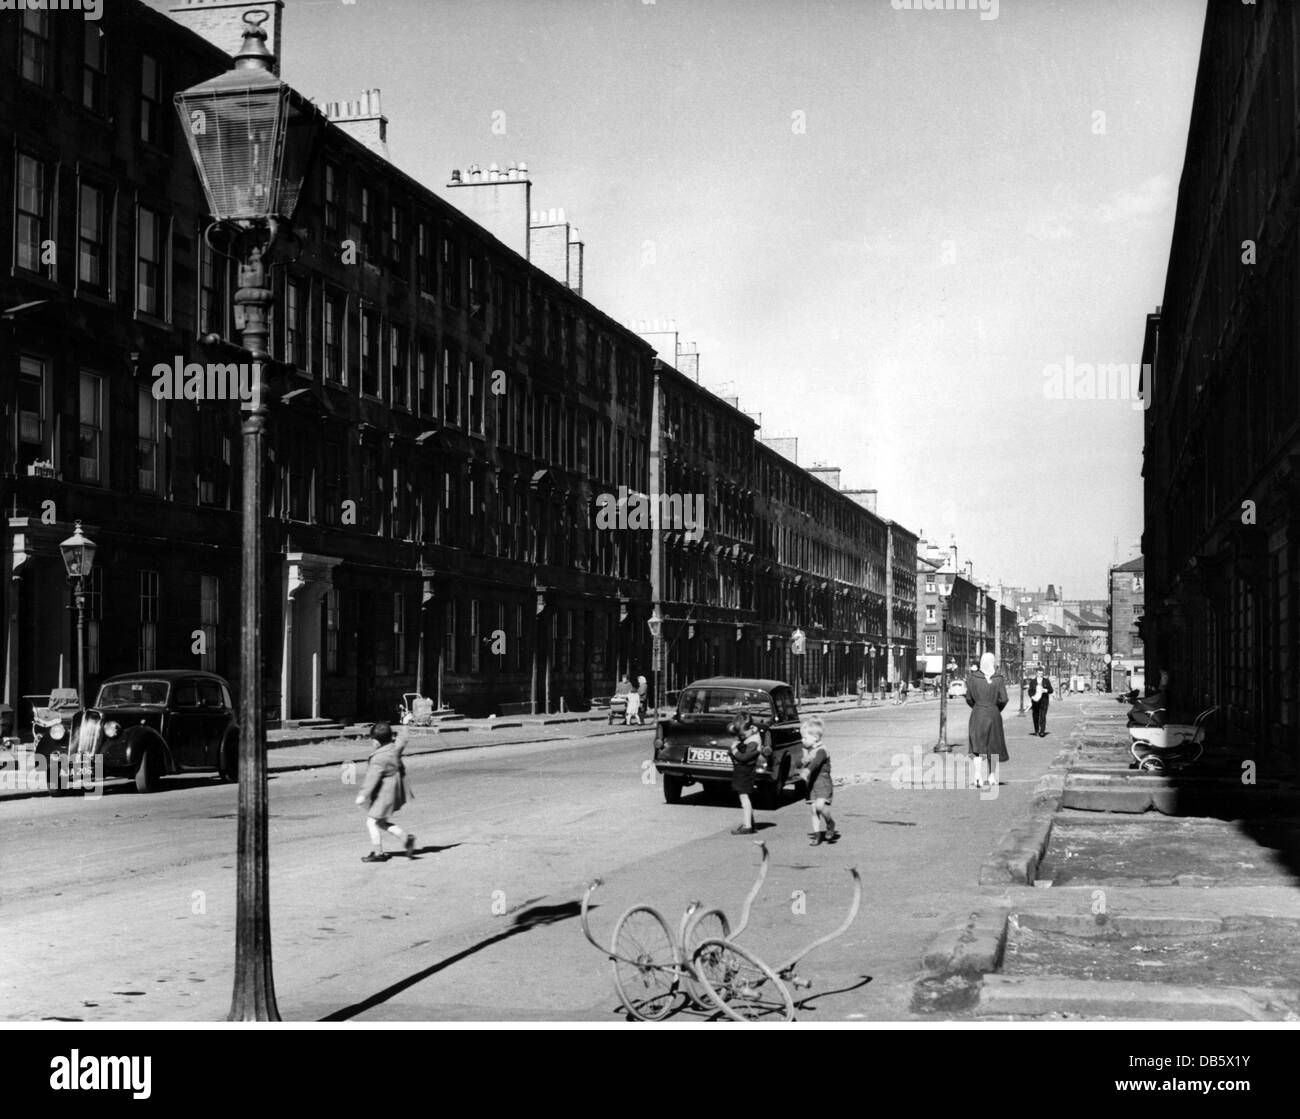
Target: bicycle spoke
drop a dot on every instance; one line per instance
(645, 967)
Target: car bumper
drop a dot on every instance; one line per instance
(693, 771)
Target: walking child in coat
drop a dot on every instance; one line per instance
(745, 752)
(816, 776)
(385, 790)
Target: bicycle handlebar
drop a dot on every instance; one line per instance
(785, 969)
(753, 892)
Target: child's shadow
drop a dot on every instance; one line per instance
(433, 849)
(763, 825)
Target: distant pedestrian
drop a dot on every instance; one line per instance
(986, 695)
(643, 697)
(902, 692)
(815, 772)
(384, 791)
(1040, 692)
(745, 752)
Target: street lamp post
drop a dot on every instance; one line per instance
(78, 559)
(942, 747)
(1023, 627)
(656, 626)
(252, 139)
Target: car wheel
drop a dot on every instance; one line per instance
(146, 775)
(228, 769)
(769, 796)
(672, 788)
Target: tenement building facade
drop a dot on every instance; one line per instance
(1222, 456)
(460, 450)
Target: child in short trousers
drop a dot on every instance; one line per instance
(816, 776)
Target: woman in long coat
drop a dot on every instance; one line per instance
(986, 695)
(385, 791)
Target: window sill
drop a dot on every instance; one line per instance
(151, 320)
(17, 272)
(94, 298)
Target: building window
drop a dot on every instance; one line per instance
(213, 459)
(369, 228)
(333, 332)
(424, 366)
(450, 386)
(474, 635)
(151, 100)
(35, 46)
(399, 631)
(94, 240)
(33, 212)
(332, 483)
(212, 291)
(151, 264)
(332, 631)
(90, 448)
(930, 587)
(94, 69)
(209, 619)
(400, 371)
(148, 658)
(929, 613)
(370, 345)
(32, 427)
(425, 262)
(450, 272)
(449, 639)
(396, 237)
(475, 401)
(333, 212)
(147, 440)
(295, 323)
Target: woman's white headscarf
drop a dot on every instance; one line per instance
(988, 665)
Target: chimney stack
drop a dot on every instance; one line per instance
(362, 119)
(498, 200)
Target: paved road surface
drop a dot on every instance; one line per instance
(121, 908)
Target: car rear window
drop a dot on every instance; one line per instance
(125, 693)
(724, 701)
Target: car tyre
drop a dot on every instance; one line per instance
(146, 774)
(769, 796)
(228, 770)
(673, 788)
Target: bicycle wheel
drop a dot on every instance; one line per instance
(740, 985)
(645, 967)
(711, 924)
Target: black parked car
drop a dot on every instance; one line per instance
(147, 724)
(693, 744)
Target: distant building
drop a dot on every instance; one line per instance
(1127, 607)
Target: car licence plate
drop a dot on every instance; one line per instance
(707, 756)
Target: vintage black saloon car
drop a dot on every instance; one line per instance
(693, 744)
(147, 724)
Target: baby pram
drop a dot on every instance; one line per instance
(1160, 747)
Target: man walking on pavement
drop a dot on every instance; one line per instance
(1040, 690)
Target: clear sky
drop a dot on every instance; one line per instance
(882, 228)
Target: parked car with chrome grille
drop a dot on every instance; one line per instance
(149, 724)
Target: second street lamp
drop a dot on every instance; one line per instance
(252, 139)
(1024, 628)
(942, 746)
(78, 559)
